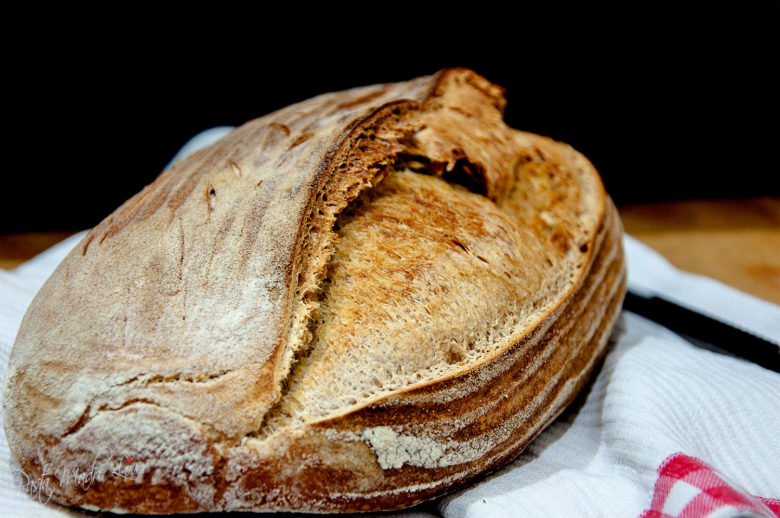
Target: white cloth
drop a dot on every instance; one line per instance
(654, 396)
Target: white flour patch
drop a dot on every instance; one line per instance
(393, 450)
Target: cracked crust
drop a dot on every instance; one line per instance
(145, 370)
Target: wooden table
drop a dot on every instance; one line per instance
(737, 242)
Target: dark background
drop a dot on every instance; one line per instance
(670, 100)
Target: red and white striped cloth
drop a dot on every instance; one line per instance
(688, 487)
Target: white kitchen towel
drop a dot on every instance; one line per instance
(665, 430)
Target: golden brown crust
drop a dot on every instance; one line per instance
(170, 335)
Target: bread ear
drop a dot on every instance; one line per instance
(172, 334)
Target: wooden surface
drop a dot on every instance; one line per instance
(737, 242)
(17, 248)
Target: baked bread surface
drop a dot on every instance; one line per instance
(355, 303)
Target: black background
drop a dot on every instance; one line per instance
(670, 100)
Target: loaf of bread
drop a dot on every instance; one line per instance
(358, 302)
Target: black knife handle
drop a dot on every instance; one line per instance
(691, 324)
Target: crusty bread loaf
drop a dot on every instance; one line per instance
(358, 302)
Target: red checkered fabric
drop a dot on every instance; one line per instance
(687, 487)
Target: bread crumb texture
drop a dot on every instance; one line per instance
(426, 278)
